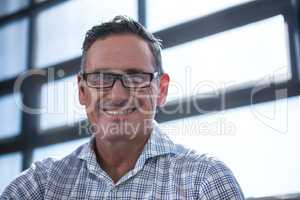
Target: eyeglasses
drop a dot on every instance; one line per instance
(102, 80)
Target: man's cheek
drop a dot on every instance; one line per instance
(94, 99)
(144, 105)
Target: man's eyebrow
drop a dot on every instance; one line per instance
(101, 70)
(133, 70)
(108, 70)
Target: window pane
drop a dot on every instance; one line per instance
(261, 156)
(10, 6)
(60, 103)
(61, 30)
(13, 40)
(57, 151)
(10, 121)
(163, 14)
(237, 56)
(10, 167)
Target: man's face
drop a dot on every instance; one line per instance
(120, 112)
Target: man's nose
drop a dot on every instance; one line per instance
(119, 92)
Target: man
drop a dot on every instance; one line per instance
(121, 84)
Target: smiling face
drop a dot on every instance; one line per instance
(119, 112)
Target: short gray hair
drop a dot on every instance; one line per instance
(123, 25)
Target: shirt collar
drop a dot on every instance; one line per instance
(158, 144)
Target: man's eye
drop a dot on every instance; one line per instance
(99, 78)
(96, 78)
(136, 79)
(106, 77)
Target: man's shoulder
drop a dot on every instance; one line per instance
(69, 161)
(187, 155)
(181, 157)
(207, 173)
(202, 164)
(37, 176)
(59, 168)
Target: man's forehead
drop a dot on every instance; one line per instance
(121, 52)
(116, 42)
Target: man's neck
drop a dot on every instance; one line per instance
(116, 158)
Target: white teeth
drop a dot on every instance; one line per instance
(124, 112)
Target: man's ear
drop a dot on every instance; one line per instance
(163, 89)
(81, 90)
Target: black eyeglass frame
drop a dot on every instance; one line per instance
(121, 78)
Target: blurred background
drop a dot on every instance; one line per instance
(234, 93)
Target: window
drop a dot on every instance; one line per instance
(13, 40)
(60, 103)
(258, 142)
(61, 29)
(10, 118)
(10, 167)
(242, 55)
(163, 14)
(10, 6)
(256, 44)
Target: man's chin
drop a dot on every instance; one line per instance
(116, 137)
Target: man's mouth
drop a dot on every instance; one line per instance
(117, 112)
